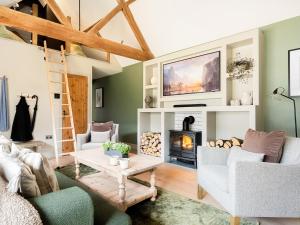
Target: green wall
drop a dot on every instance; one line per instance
(278, 39)
(123, 91)
(123, 95)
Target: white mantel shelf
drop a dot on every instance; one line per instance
(242, 108)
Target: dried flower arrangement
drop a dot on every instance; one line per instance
(241, 68)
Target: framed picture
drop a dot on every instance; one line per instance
(193, 75)
(99, 98)
(294, 72)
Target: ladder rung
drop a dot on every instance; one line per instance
(65, 140)
(65, 104)
(65, 128)
(53, 62)
(57, 82)
(53, 71)
(65, 116)
(53, 50)
(66, 153)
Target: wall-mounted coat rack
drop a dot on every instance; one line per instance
(27, 96)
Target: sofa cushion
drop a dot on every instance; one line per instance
(16, 210)
(270, 144)
(91, 145)
(40, 167)
(237, 154)
(4, 145)
(291, 151)
(216, 174)
(101, 127)
(100, 137)
(19, 176)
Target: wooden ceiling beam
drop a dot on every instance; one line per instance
(58, 13)
(47, 28)
(135, 28)
(96, 27)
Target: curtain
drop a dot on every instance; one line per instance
(4, 120)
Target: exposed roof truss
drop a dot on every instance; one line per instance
(90, 37)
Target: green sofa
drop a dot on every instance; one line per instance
(76, 204)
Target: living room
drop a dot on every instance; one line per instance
(104, 120)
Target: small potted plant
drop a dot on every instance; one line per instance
(116, 149)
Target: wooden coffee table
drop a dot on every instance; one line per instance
(112, 182)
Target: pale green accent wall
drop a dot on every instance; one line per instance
(123, 91)
(278, 39)
(123, 95)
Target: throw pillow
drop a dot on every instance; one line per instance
(4, 145)
(100, 137)
(101, 127)
(3, 184)
(237, 154)
(16, 210)
(270, 144)
(40, 167)
(19, 176)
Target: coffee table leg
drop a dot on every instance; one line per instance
(77, 169)
(122, 191)
(152, 183)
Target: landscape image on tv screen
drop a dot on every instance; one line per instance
(193, 75)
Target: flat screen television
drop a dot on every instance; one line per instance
(198, 74)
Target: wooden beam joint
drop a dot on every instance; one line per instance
(50, 29)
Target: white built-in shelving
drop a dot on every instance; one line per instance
(218, 119)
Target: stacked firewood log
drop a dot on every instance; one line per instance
(151, 143)
(221, 143)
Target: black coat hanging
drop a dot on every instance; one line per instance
(22, 128)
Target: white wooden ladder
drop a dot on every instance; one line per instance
(54, 68)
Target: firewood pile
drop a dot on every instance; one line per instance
(221, 143)
(151, 144)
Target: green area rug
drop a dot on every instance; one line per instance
(169, 208)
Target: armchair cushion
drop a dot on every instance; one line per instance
(271, 144)
(100, 137)
(291, 151)
(215, 156)
(19, 176)
(101, 127)
(237, 154)
(41, 168)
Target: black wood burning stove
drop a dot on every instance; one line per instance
(183, 145)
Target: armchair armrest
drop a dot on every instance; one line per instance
(214, 156)
(81, 139)
(114, 138)
(265, 189)
(71, 206)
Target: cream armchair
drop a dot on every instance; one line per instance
(83, 140)
(252, 189)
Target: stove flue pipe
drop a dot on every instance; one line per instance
(186, 123)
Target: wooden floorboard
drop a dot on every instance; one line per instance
(183, 181)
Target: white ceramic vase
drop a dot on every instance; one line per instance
(153, 79)
(247, 98)
(124, 163)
